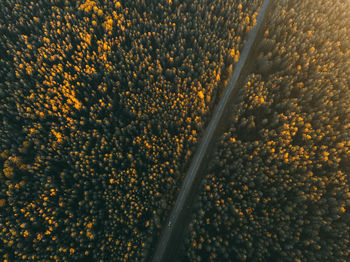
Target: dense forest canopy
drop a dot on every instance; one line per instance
(101, 106)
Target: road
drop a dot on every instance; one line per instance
(172, 233)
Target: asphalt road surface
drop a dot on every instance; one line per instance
(172, 233)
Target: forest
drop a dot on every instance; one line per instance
(278, 188)
(102, 105)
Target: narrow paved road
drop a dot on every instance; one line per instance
(172, 233)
